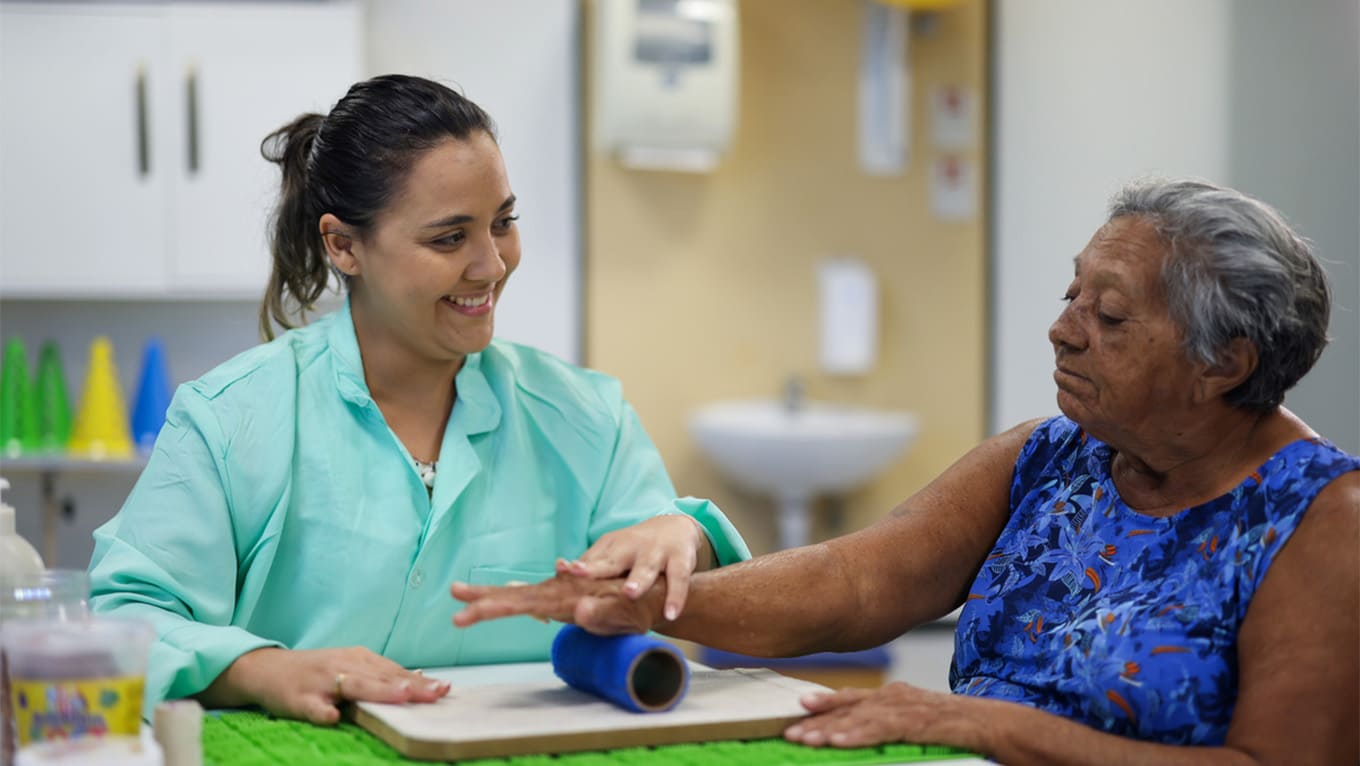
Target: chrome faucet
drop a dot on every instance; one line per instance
(793, 394)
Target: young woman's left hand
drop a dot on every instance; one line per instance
(674, 545)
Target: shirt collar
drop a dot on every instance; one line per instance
(475, 411)
(349, 365)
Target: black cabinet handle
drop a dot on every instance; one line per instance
(143, 138)
(191, 101)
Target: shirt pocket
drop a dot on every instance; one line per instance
(512, 639)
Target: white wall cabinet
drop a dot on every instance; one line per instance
(520, 60)
(130, 134)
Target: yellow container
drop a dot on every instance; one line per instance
(101, 430)
(76, 679)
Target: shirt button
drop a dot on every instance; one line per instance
(417, 578)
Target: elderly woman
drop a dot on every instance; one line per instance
(1168, 573)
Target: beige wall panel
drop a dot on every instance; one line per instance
(703, 287)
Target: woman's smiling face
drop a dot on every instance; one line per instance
(429, 273)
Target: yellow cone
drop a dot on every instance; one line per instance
(101, 428)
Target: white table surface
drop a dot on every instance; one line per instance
(539, 672)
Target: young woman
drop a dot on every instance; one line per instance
(309, 501)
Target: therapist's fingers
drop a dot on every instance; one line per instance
(429, 690)
(678, 573)
(642, 575)
(612, 556)
(597, 565)
(315, 708)
(387, 668)
(358, 674)
(369, 667)
(366, 688)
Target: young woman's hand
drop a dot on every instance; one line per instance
(673, 545)
(312, 684)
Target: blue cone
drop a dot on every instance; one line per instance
(153, 397)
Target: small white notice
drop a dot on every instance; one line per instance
(953, 188)
(953, 117)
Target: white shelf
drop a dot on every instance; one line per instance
(48, 469)
(70, 464)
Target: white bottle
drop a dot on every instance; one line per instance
(17, 557)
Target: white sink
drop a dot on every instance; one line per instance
(819, 448)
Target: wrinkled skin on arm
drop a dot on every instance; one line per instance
(853, 592)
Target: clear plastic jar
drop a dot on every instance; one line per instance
(61, 595)
(56, 594)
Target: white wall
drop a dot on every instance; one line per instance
(1295, 142)
(1087, 95)
(1255, 94)
(520, 61)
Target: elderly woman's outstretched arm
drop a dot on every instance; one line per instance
(1299, 690)
(853, 592)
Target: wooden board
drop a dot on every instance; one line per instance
(547, 716)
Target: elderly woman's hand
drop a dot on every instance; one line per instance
(674, 545)
(599, 606)
(894, 713)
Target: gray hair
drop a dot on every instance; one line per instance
(1235, 269)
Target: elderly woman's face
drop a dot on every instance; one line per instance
(1120, 365)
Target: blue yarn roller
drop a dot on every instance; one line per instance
(639, 673)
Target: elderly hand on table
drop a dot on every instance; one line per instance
(674, 545)
(311, 685)
(896, 712)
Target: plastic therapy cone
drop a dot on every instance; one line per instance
(54, 407)
(153, 397)
(18, 409)
(101, 428)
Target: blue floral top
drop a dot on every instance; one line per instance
(1127, 623)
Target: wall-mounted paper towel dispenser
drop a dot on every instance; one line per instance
(665, 81)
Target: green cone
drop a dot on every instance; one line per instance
(54, 407)
(18, 408)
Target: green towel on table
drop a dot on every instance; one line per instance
(254, 739)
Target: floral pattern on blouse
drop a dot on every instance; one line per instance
(1128, 623)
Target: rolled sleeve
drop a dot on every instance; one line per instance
(727, 543)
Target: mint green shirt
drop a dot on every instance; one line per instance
(278, 509)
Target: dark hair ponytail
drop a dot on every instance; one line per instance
(350, 164)
(300, 271)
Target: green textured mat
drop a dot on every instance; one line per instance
(254, 739)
